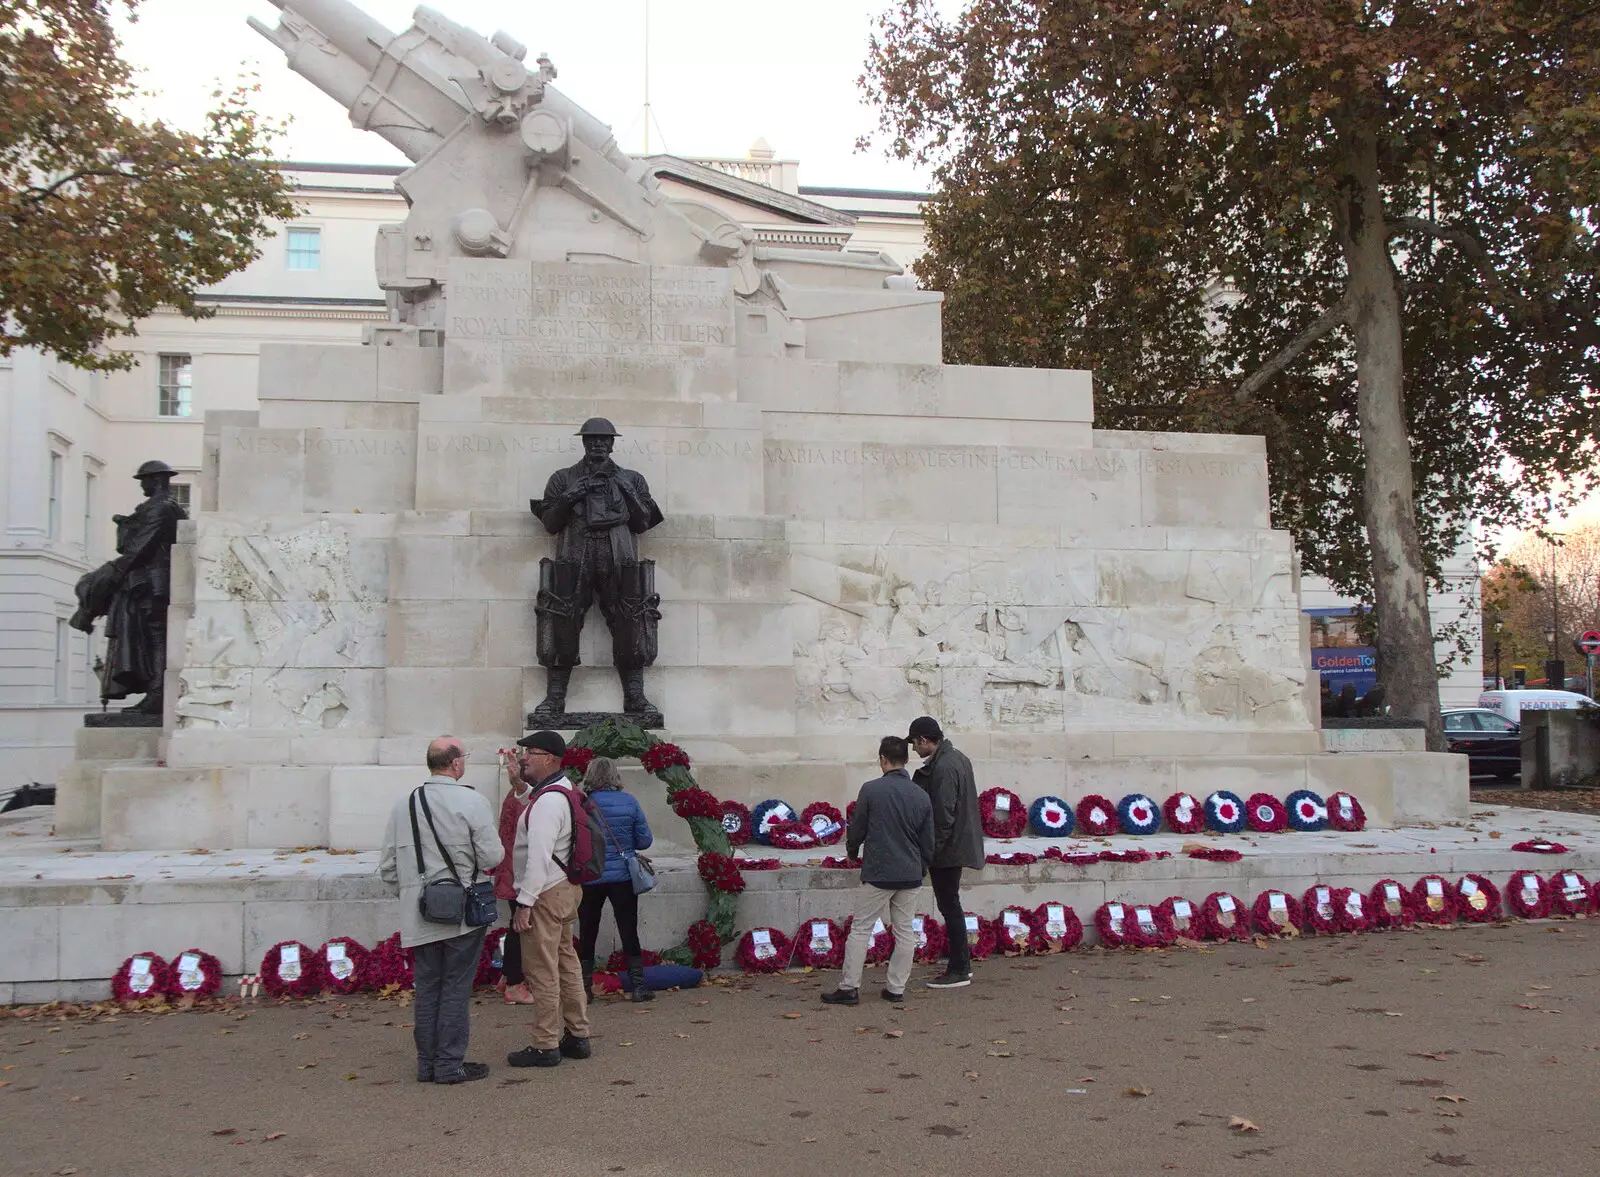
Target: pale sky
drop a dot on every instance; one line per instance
(722, 74)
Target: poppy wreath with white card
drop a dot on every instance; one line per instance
(819, 944)
(1345, 813)
(1266, 814)
(491, 961)
(1183, 916)
(1538, 846)
(1097, 817)
(1011, 858)
(1434, 900)
(1224, 917)
(881, 944)
(1138, 814)
(139, 978)
(1570, 893)
(932, 943)
(1147, 927)
(1003, 813)
(1014, 932)
(290, 969)
(736, 822)
(1319, 909)
(1225, 812)
(1184, 814)
(1527, 896)
(1389, 905)
(388, 966)
(1477, 899)
(790, 835)
(192, 975)
(765, 816)
(1051, 817)
(341, 961)
(1277, 913)
(1351, 905)
(1308, 812)
(763, 950)
(825, 821)
(1058, 927)
(981, 936)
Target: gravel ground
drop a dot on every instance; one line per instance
(1560, 800)
(1390, 1053)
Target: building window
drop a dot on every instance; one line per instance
(54, 522)
(305, 249)
(63, 659)
(181, 491)
(176, 386)
(88, 512)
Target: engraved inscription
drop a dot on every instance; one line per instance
(351, 447)
(1079, 463)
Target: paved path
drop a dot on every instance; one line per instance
(1394, 1053)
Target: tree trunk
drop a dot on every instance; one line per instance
(1407, 664)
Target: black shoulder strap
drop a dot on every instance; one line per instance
(449, 862)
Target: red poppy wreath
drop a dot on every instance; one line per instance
(1097, 817)
(1318, 907)
(1184, 814)
(1059, 926)
(1527, 896)
(819, 944)
(1389, 905)
(290, 969)
(763, 950)
(1477, 899)
(1015, 932)
(1275, 913)
(1183, 917)
(339, 961)
(1434, 900)
(1224, 917)
(138, 978)
(1569, 894)
(931, 940)
(1004, 815)
(192, 975)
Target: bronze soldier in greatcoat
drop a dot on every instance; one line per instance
(132, 593)
(596, 508)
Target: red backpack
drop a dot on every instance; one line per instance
(587, 860)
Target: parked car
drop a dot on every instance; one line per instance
(1511, 704)
(1492, 743)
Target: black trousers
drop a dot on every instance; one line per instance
(443, 972)
(946, 882)
(511, 953)
(624, 905)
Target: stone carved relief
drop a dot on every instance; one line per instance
(875, 645)
(288, 631)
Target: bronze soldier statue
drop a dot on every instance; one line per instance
(132, 593)
(596, 508)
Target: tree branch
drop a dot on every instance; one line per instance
(1467, 242)
(1329, 319)
(40, 195)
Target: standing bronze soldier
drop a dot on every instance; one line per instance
(132, 593)
(596, 508)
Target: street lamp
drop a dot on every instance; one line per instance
(1499, 683)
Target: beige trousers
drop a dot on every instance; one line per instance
(895, 909)
(550, 967)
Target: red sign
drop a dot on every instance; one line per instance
(1589, 643)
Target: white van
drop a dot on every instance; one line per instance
(1511, 704)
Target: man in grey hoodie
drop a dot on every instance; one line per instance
(894, 818)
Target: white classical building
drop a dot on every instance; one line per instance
(73, 439)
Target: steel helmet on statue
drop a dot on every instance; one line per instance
(154, 468)
(597, 427)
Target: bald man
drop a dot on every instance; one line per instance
(443, 816)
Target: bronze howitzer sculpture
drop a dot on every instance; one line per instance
(132, 593)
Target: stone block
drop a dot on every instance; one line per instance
(437, 633)
(333, 749)
(103, 936)
(422, 567)
(32, 936)
(261, 470)
(317, 371)
(1197, 489)
(758, 570)
(115, 743)
(408, 373)
(940, 483)
(360, 470)
(743, 634)
(174, 808)
(360, 799)
(190, 747)
(810, 481)
(287, 807)
(494, 568)
(1115, 779)
(1374, 739)
(712, 471)
(1023, 394)
(1082, 489)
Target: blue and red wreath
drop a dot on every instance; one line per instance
(1051, 817)
(1277, 913)
(1308, 812)
(1138, 814)
(766, 815)
(819, 944)
(981, 937)
(1058, 926)
(1224, 917)
(736, 822)
(1352, 908)
(1225, 812)
(763, 950)
(1003, 813)
(1569, 894)
(1389, 905)
(192, 975)
(1528, 896)
(1318, 910)
(1184, 814)
(345, 976)
(139, 978)
(1266, 814)
(300, 975)
(1097, 817)
(1434, 900)
(931, 940)
(826, 822)
(1183, 916)
(1345, 813)
(1477, 899)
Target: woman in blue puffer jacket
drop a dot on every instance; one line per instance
(626, 831)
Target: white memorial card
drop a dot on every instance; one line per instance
(289, 962)
(972, 924)
(1435, 887)
(1391, 892)
(1055, 921)
(1225, 903)
(1277, 901)
(189, 976)
(1145, 917)
(140, 979)
(1002, 802)
(1182, 910)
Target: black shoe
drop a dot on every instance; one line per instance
(641, 991)
(574, 1047)
(842, 997)
(532, 1056)
(891, 995)
(469, 1072)
(949, 980)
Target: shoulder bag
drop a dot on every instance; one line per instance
(641, 871)
(450, 901)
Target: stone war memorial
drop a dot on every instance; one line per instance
(805, 531)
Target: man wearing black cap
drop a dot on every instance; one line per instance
(946, 774)
(596, 508)
(546, 906)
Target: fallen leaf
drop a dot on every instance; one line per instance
(1338, 980)
(624, 1044)
(622, 1082)
(301, 1037)
(973, 1075)
(275, 1135)
(305, 1066)
(808, 1140)
(1453, 1098)
(799, 1115)
(1442, 1056)
(1458, 1162)
(223, 1131)
(1242, 1124)
(1139, 1091)
(680, 1036)
(999, 1054)
(1085, 1079)
(894, 1033)
(792, 1017)
(944, 1130)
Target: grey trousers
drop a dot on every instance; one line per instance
(443, 973)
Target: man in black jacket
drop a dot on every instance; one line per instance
(895, 820)
(946, 775)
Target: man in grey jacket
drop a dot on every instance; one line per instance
(444, 956)
(895, 820)
(946, 774)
